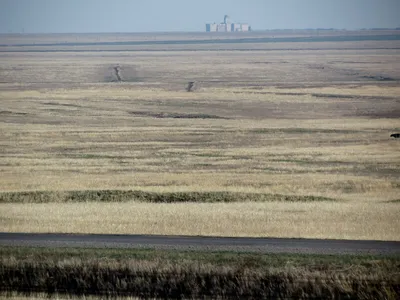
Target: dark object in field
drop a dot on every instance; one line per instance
(117, 72)
(395, 135)
(190, 86)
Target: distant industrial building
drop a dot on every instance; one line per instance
(227, 26)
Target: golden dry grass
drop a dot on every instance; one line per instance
(106, 140)
(303, 123)
(356, 220)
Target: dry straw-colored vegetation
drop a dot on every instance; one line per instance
(313, 123)
(170, 274)
(352, 220)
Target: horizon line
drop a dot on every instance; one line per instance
(195, 31)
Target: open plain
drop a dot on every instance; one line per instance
(298, 118)
(285, 135)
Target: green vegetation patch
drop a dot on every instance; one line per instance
(296, 130)
(173, 115)
(150, 197)
(94, 156)
(175, 274)
(393, 201)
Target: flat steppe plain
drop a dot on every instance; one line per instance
(293, 119)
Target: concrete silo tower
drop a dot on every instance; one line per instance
(227, 23)
(226, 19)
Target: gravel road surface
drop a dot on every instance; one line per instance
(263, 245)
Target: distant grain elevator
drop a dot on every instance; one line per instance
(227, 26)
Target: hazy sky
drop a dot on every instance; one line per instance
(40, 16)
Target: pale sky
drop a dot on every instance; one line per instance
(72, 16)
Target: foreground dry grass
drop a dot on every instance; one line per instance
(261, 121)
(167, 274)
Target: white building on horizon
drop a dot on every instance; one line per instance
(227, 26)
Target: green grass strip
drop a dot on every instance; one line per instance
(150, 197)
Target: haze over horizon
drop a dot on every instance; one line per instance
(87, 16)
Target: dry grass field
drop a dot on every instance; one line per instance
(315, 121)
(63, 273)
(353, 220)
